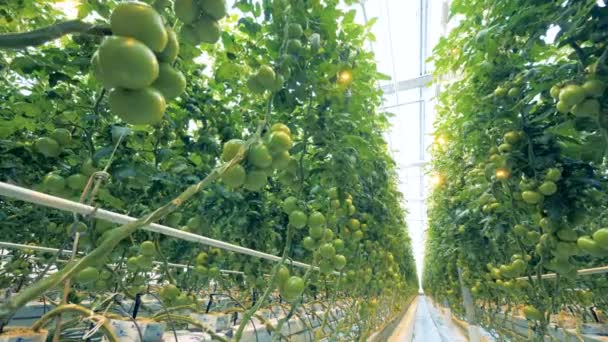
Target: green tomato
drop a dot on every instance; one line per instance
(572, 95)
(601, 238)
(518, 266)
(173, 219)
(512, 137)
(231, 148)
(105, 275)
(563, 108)
(505, 148)
(316, 232)
(294, 30)
(594, 88)
(500, 91)
(259, 156)
(316, 219)
(79, 227)
(531, 238)
(514, 92)
(339, 261)
(327, 251)
(333, 193)
(256, 180)
(132, 264)
(87, 275)
(54, 182)
(553, 174)
(62, 136)
(589, 246)
(520, 230)
(532, 313)
(145, 262)
(294, 46)
(266, 77)
(282, 275)
(548, 188)
(328, 235)
(293, 288)
(290, 204)
(279, 141)
(200, 270)
(298, 219)
(234, 176)
(532, 197)
(309, 243)
(555, 90)
(169, 291)
(202, 258)
(279, 127)
(335, 204)
(47, 147)
(354, 224)
(280, 161)
(147, 248)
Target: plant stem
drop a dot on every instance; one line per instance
(105, 326)
(114, 238)
(48, 33)
(273, 277)
(189, 320)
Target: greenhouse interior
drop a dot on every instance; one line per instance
(303, 170)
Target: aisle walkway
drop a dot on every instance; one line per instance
(425, 323)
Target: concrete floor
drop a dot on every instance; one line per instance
(425, 323)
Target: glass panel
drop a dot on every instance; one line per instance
(400, 53)
(397, 32)
(404, 135)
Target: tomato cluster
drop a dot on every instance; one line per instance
(275, 143)
(524, 163)
(136, 64)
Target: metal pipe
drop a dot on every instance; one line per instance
(411, 83)
(583, 272)
(27, 195)
(19, 246)
(11, 245)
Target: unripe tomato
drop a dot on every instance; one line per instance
(298, 219)
(293, 288)
(532, 313)
(87, 275)
(531, 197)
(327, 251)
(339, 261)
(147, 248)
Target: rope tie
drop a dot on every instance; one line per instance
(99, 320)
(98, 177)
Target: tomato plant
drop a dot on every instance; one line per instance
(258, 125)
(525, 164)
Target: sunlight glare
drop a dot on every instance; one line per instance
(68, 7)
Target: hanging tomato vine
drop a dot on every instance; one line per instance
(523, 114)
(260, 129)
